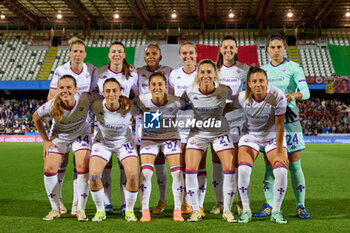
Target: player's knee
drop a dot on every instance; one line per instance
(95, 181)
(50, 168)
(132, 180)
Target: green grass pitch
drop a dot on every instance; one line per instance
(23, 200)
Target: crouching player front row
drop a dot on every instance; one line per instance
(114, 136)
(264, 107)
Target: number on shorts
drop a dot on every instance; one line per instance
(295, 139)
(85, 139)
(170, 144)
(128, 146)
(222, 141)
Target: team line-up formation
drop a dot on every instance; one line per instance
(180, 114)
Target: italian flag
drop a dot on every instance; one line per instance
(170, 55)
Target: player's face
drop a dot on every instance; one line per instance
(228, 49)
(157, 86)
(77, 53)
(66, 89)
(111, 92)
(188, 55)
(152, 56)
(206, 74)
(116, 54)
(258, 83)
(276, 49)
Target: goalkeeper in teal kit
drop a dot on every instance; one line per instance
(289, 77)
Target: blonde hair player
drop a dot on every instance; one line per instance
(71, 128)
(264, 108)
(83, 73)
(208, 100)
(180, 79)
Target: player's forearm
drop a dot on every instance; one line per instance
(279, 126)
(39, 125)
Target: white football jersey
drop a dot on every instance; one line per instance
(208, 108)
(260, 115)
(113, 125)
(234, 76)
(144, 77)
(165, 115)
(84, 78)
(103, 73)
(179, 80)
(75, 121)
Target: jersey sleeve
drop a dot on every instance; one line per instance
(171, 78)
(301, 83)
(94, 82)
(56, 76)
(45, 109)
(135, 110)
(281, 104)
(135, 77)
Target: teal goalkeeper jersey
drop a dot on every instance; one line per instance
(289, 77)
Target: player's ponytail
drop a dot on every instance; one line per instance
(57, 108)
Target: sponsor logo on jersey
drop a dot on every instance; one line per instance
(151, 120)
(218, 97)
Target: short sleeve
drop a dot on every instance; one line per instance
(45, 110)
(281, 104)
(171, 79)
(56, 76)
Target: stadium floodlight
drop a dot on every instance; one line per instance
(173, 15)
(2, 16)
(231, 15)
(347, 14)
(116, 15)
(290, 14)
(59, 15)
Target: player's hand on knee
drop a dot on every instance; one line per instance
(47, 146)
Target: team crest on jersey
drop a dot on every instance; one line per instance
(195, 98)
(238, 71)
(284, 69)
(151, 120)
(218, 97)
(96, 150)
(246, 140)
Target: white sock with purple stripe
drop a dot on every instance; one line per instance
(98, 198)
(244, 171)
(217, 181)
(130, 199)
(52, 189)
(178, 186)
(192, 189)
(122, 183)
(146, 186)
(280, 186)
(82, 189)
(60, 177)
(162, 179)
(107, 182)
(202, 185)
(229, 188)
